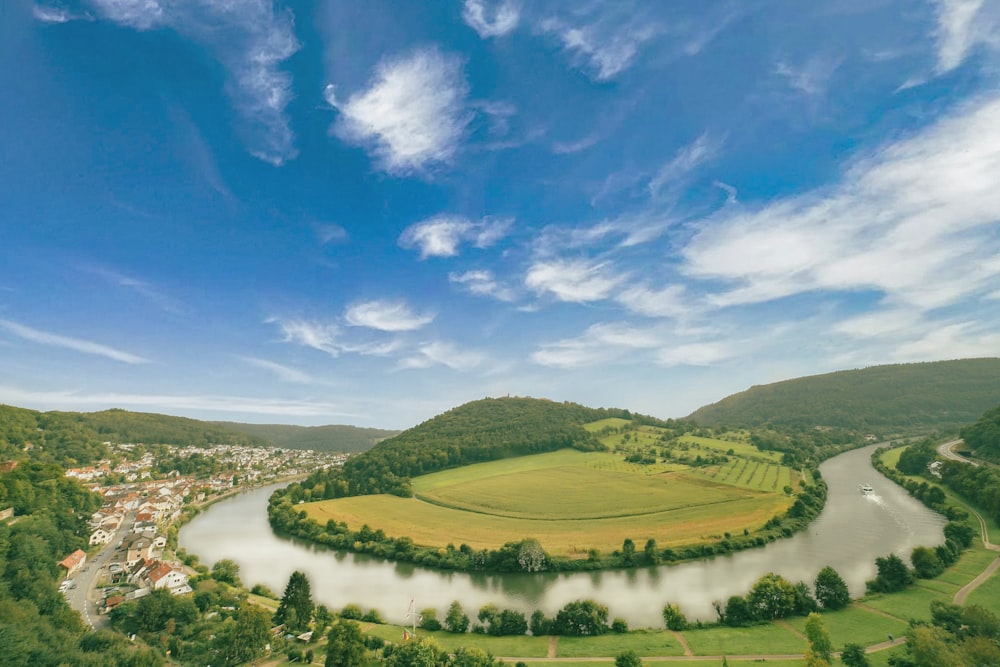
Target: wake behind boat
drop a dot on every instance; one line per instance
(866, 489)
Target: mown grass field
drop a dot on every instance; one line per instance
(571, 502)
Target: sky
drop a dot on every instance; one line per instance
(371, 212)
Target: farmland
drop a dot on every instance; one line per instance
(648, 485)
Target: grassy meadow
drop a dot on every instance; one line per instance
(573, 501)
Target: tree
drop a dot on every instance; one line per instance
(346, 645)
(674, 618)
(428, 619)
(243, 638)
(831, 590)
(226, 571)
(628, 551)
(531, 556)
(893, 575)
(819, 638)
(539, 625)
(489, 617)
(926, 564)
(771, 597)
(853, 655)
(805, 603)
(581, 618)
(296, 607)
(456, 620)
(628, 658)
(738, 612)
(510, 623)
(652, 554)
(471, 657)
(417, 652)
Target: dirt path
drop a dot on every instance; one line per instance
(553, 646)
(683, 642)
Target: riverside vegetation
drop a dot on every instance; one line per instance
(38, 628)
(679, 491)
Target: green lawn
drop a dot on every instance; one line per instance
(911, 604)
(643, 642)
(855, 625)
(744, 641)
(987, 595)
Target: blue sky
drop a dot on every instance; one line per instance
(370, 212)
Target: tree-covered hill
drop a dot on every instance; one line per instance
(76, 438)
(332, 438)
(941, 395)
(484, 430)
(984, 436)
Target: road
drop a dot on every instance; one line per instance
(947, 450)
(84, 596)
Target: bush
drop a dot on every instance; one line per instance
(619, 625)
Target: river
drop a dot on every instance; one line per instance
(850, 532)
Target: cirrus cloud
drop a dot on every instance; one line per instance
(393, 316)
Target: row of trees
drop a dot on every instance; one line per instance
(773, 597)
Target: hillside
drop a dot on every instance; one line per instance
(332, 438)
(984, 436)
(942, 395)
(76, 438)
(484, 430)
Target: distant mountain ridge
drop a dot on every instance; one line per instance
(330, 438)
(939, 395)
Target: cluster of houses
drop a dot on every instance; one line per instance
(137, 512)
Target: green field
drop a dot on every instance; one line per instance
(574, 501)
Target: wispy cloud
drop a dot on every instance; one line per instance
(440, 353)
(600, 343)
(284, 373)
(164, 402)
(330, 233)
(488, 21)
(441, 235)
(390, 316)
(695, 354)
(810, 78)
(47, 13)
(576, 281)
(413, 114)
(143, 288)
(330, 338)
(667, 302)
(914, 221)
(252, 38)
(962, 25)
(483, 283)
(675, 171)
(606, 44)
(55, 340)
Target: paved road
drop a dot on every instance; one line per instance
(947, 450)
(84, 596)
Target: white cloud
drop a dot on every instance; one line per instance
(599, 344)
(412, 115)
(483, 283)
(491, 22)
(251, 38)
(167, 402)
(695, 354)
(810, 78)
(668, 302)
(439, 353)
(607, 45)
(284, 373)
(322, 337)
(386, 316)
(76, 344)
(962, 25)
(913, 221)
(330, 233)
(441, 235)
(960, 340)
(143, 288)
(572, 280)
(687, 159)
(51, 14)
(885, 323)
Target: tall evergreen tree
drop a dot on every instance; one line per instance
(296, 607)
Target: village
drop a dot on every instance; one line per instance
(131, 547)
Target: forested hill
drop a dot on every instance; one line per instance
(941, 395)
(483, 430)
(331, 438)
(76, 438)
(984, 436)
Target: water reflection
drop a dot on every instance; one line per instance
(849, 534)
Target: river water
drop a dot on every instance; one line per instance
(850, 532)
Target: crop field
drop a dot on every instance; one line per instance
(570, 502)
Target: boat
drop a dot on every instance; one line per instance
(866, 489)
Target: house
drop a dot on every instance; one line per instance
(100, 536)
(74, 561)
(139, 548)
(165, 576)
